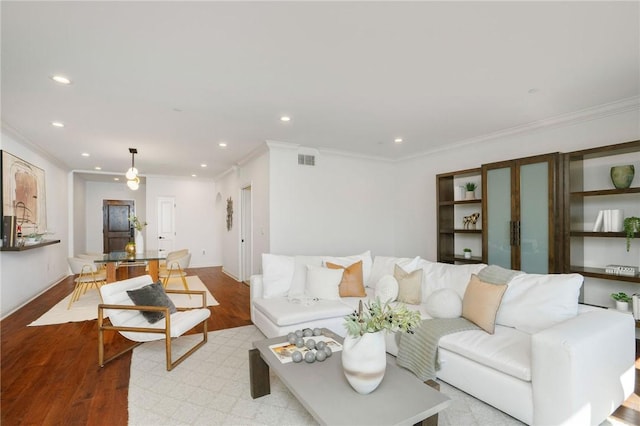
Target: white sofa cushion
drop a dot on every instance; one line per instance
(507, 350)
(299, 281)
(347, 261)
(277, 274)
(323, 283)
(383, 265)
(282, 312)
(444, 275)
(387, 289)
(444, 303)
(534, 302)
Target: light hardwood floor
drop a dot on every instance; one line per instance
(50, 374)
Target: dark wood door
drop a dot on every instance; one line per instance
(116, 228)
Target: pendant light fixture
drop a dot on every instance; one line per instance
(133, 181)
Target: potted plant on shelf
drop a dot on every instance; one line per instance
(471, 190)
(622, 301)
(631, 225)
(364, 356)
(467, 253)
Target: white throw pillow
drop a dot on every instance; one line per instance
(534, 302)
(277, 273)
(383, 265)
(444, 303)
(438, 275)
(298, 283)
(347, 261)
(387, 289)
(409, 265)
(323, 283)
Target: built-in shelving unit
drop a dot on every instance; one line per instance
(452, 208)
(589, 189)
(30, 246)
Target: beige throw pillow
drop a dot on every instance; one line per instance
(481, 302)
(352, 284)
(409, 285)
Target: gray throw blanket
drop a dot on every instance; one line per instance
(418, 352)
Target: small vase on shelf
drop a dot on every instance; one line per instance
(622, 176)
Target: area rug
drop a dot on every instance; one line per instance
(86, 308)
(211, 387)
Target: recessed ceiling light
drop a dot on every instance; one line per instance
(285, 118)
(194, 175)
(98, 168)
(60, 79)
(203, 165)
(222, 144)
(398, 140)
(85, 154)
(57, 124)
(116, 178)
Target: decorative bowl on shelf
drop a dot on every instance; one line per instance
(622, 176)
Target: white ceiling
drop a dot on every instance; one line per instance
(173, 79)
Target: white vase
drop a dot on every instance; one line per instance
(470, 195)
(622, 306)
(364, 361)
(139, 243)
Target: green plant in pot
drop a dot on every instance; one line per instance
(631, 225)
(467, 253)
(622, 300)
(471, 188)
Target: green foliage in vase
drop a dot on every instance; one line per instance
(375, 316)
(631, 226)
(137, 223)
(471, 186)
(620, 297)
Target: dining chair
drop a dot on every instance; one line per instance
(175, 265)
(88, 275)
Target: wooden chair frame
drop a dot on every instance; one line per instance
(83, 283)
(102, 327)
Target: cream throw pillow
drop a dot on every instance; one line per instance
(409, 285)
(322, 283)
(481, 302)
(387, 289)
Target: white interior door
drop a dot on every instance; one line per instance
(245, 234)
(166, 224)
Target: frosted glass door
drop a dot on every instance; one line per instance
(534, 218)
(498, 201)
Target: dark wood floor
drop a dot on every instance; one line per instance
(50, 374)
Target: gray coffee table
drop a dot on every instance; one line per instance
(401, 398)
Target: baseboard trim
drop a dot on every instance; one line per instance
(224, 271)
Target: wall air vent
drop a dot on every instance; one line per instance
(306, 160)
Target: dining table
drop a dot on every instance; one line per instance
(117, 259)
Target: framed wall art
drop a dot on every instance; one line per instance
(23, 194)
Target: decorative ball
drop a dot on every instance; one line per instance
(317, 332)
(444, 303)
(299, 342)
(321, 345)
(310, 357)
(296, 356)
(291, 338)
(328, 351)
(307, 332)
(321, 356)
(310, 343)
(298, 333)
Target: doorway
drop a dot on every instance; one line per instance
(116, 228)
(246, 246)
(166, 225)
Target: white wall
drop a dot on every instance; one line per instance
(343, 205)
(194, 220)
(28, 273)
(415, 227)
(253, 172)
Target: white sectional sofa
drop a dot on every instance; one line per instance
(550, 361)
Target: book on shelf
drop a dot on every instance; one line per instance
(609, 221)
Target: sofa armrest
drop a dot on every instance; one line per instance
(255, 284)
(582, 369)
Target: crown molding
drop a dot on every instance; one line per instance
(15, 133)
(571, 118)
